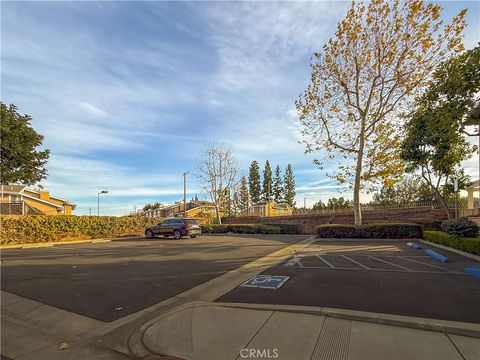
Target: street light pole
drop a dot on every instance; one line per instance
(185, 194)
(98, 200)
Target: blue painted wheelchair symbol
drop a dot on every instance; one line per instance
(266, 281)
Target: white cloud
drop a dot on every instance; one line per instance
(92, 109)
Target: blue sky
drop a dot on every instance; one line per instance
(128, 93)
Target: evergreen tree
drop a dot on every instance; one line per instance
(235, 204)
(21, 161)
(289, 186)
(254, 182)
(319, 206)
(267, 182)
(277, 186)
(243, 201)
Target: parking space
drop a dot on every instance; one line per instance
(376, 276)
(107, 281)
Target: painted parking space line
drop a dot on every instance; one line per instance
(356, 262)
(376, 270)
(390, 263)
(326, 262)
(430, 265)
(293, 261)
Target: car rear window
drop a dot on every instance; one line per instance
(190, 221)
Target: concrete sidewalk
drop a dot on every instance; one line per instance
(211, 331)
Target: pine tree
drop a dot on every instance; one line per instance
(277, 186)
(267, 182)
(243, 203)
(235, 204)
(289, 186)
(254, 182)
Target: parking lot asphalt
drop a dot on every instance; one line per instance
(107, 281)
(380, 276)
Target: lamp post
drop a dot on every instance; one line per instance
(98, 200)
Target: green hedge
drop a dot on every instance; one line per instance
(241, 229)
(34, 229)
(287, 228)
(471, 245)
(372, 231)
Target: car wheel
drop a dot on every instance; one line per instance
(149, 234)
(177, 234)
(193, 236)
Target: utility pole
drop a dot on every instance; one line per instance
(185, 194)
(90, 211)
(304, 205)
(230, 207)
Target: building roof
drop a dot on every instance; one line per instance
(20, 189)
(13, 188)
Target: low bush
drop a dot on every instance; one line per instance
(240, 229)
(372, 231)
(34, 229)
(287, 228)
(467, 244)
(215, 228)
(461, 227)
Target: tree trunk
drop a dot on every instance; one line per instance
(442, 201)
(217, 211)
(357, 212)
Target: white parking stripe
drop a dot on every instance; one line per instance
(383, 270)
(420, 262)
(356, 262)
(387, 262)
(325, 261)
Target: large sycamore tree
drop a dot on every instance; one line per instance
(381, 56)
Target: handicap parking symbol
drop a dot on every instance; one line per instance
(266, 281)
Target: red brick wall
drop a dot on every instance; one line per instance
(424, 215)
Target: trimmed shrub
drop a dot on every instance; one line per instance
(240, 229)
(461, 227)
(370, 231)
(287, 228)
(34, 229)
(467, 244)
(215, 228)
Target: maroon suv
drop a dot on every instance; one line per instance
(177, 227)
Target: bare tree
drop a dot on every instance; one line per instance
(216, 172)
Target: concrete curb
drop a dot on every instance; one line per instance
(444, 326)
(54, 243)
(102, 240)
